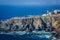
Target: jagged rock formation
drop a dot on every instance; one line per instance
(56, 20)
(45, 22)
(22, 24)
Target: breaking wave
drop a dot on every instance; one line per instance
(23, 35)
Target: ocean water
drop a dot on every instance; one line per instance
(41, 35)
(24, 37)
(8, 11)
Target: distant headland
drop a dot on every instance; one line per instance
(30, 23)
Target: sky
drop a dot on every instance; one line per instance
(30, 2)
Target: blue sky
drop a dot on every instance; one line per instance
(30, 2)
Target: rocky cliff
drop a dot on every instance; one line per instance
(47, 22)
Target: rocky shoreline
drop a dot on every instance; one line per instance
(47, 22)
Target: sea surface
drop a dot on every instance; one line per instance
(40, 35)
(8, 11)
